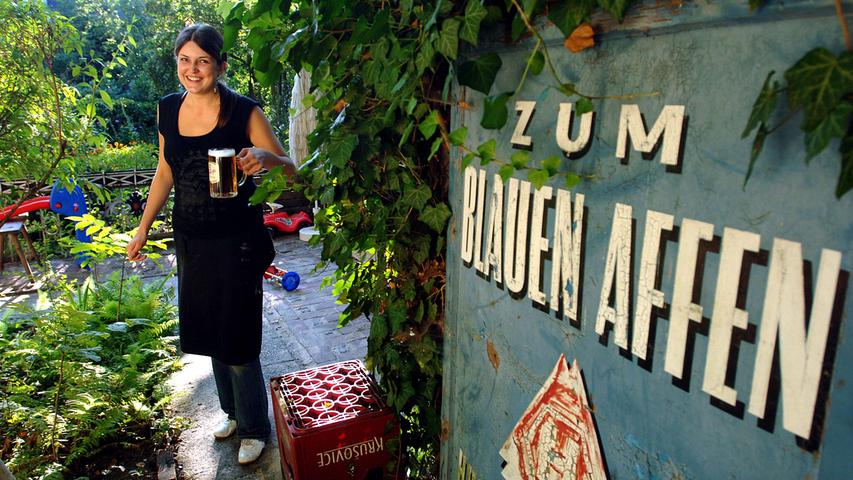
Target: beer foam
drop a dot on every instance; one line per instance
(221, 152)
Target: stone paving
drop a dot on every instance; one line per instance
(300, 331)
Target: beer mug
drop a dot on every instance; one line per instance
(222, 173)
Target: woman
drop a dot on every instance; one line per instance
(221, 245)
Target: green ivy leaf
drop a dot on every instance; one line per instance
(486, 150)
(429, 124)
(436, 217)
(551, 165)
(763, 107)
(417, 197)
(536, 62)
(817, 82)
(834, 125)
(396, 315)
(475, 12)
(435, 146)
(457, 137)
(340, 149)
(538, 178)
(757, 145)
(572, 180)
(467, 160)
(845, 177)
(506, 172)
(108, 101)
(378, 329)
(568, 15)
(479, 74)
(495, 112)
(615, 7)
(448, 38)
(519, 159)
(584, 105)
(424, 57)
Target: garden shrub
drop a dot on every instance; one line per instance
(84, 368)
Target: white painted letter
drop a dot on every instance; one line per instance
(519, 139)
(481, 212)
(647, 294)
(515, 252)
(538, 244)
(668, 124)
(494, 230)
(726, 314)
(564, 130)
(618, 267)
(683, 310)
(469, 195)
(566, 258)
(801, 353)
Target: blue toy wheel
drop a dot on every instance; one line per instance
(289, 281)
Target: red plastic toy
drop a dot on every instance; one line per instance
(282, 222)
(288, 280)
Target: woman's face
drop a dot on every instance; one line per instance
(197, 70)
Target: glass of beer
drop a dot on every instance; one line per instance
(222, 173)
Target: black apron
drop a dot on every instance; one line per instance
(221, 245)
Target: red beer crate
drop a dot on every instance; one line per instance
(332, 424)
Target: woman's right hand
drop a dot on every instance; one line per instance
(134, 247)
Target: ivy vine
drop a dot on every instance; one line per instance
(381, 77)
(819, 85)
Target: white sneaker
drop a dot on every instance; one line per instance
(250, 450)
(225, 429)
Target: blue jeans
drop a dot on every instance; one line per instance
(243, 396)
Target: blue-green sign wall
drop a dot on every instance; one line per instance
(681, 315)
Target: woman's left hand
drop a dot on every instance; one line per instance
(253, 160)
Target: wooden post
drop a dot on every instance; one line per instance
(5, 474)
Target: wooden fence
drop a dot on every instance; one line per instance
(119, 179)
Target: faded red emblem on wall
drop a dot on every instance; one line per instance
(555, 437)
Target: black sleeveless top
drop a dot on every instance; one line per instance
(195, 212)
(221, 245)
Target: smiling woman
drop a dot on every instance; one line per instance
(221, 245)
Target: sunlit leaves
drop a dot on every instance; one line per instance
(475, 12)
(429, 124)
(448, 38)
(436, 217)
(486, 151)
(480, 73)
(457, 137)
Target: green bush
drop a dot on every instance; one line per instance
(117, 156)
(84, 368)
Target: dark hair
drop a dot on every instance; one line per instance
(211, 41)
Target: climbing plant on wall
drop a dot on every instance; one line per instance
(381, 73)
(819, 85)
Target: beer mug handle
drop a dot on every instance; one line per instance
(243, 177)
